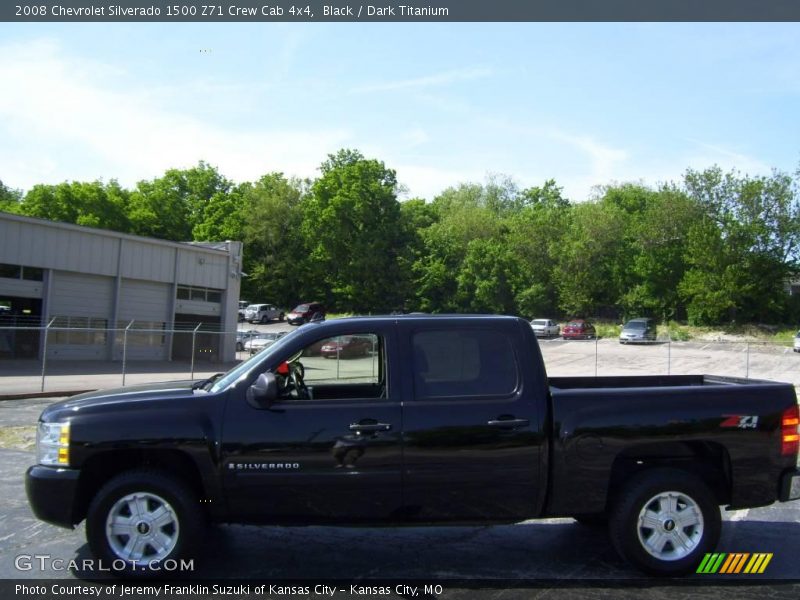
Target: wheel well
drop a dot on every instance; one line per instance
(706, 460)
(99, 469)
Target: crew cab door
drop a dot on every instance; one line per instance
(472, 441)
(331, 454)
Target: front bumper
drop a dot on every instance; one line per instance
(52, 492)
(790, 485)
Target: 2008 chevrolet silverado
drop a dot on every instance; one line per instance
(426, 419)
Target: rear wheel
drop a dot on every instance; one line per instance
(665, 521)
(141, 519)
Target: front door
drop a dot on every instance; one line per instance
(330, 448)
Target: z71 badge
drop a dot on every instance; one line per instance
(740, 421)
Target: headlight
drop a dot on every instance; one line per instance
(52, 444)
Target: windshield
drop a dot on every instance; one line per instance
(541, 322)
(635, 325)
(301, 308)
(239, 370)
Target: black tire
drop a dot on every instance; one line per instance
(281, 317)
(163, 505)
(685, 516)
(239, 346)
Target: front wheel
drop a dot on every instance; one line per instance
(664, 522)
(140, 520)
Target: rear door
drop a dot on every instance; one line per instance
(472, 441)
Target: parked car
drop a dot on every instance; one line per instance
(578, 329)
(458, 423)
(347, 346)
(638, 331)
(545, 328)
(263, 313)
(243, 337)
(302, 313)
(243, 304)
(797, 342)
(263, 340)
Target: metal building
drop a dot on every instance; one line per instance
(91, 285)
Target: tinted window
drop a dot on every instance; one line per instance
(463, 363)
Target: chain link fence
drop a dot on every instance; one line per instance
(72, 355)
(74, 347)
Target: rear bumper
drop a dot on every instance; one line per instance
(790, 485)
(51, 493)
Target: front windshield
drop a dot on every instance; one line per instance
(635, 325)
(234, 374)
(301, 308)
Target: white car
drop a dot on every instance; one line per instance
(263, 313)
(242, 338)
(797, 342)
(263, 340)
(545, 328)
(243, 304)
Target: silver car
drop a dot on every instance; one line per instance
(638, 331)
(263, 313)
(545, 328)
(263, 340)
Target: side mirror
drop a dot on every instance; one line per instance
(264, 392)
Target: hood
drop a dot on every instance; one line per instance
(127, 397)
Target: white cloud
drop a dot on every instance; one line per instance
(439, 79)
(109, 122)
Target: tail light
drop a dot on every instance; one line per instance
(790, 438)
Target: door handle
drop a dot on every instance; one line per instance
(370, 427)
(509, 423)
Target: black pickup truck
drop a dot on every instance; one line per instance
(414, 420)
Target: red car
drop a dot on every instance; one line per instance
(578, 329)
(346, 346)
(303, 313)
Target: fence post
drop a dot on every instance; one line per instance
(125, 350)
(44, 352)
(669, 356)
(747, 363)
(194, 339)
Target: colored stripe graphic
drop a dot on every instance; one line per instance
(758, 563)
(732, 564)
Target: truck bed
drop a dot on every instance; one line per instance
(649, 381)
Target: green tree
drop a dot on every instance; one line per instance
(9, 198)
(170, 207)
(275, 258)
(744, 248)
(352, 225)
(92, 204)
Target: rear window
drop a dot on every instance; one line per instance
(472, 362)
(540, 322)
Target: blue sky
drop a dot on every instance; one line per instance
(585, 104)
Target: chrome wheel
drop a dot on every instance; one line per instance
(670, 526)
(142, 527)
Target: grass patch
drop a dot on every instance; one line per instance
(18, 438)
